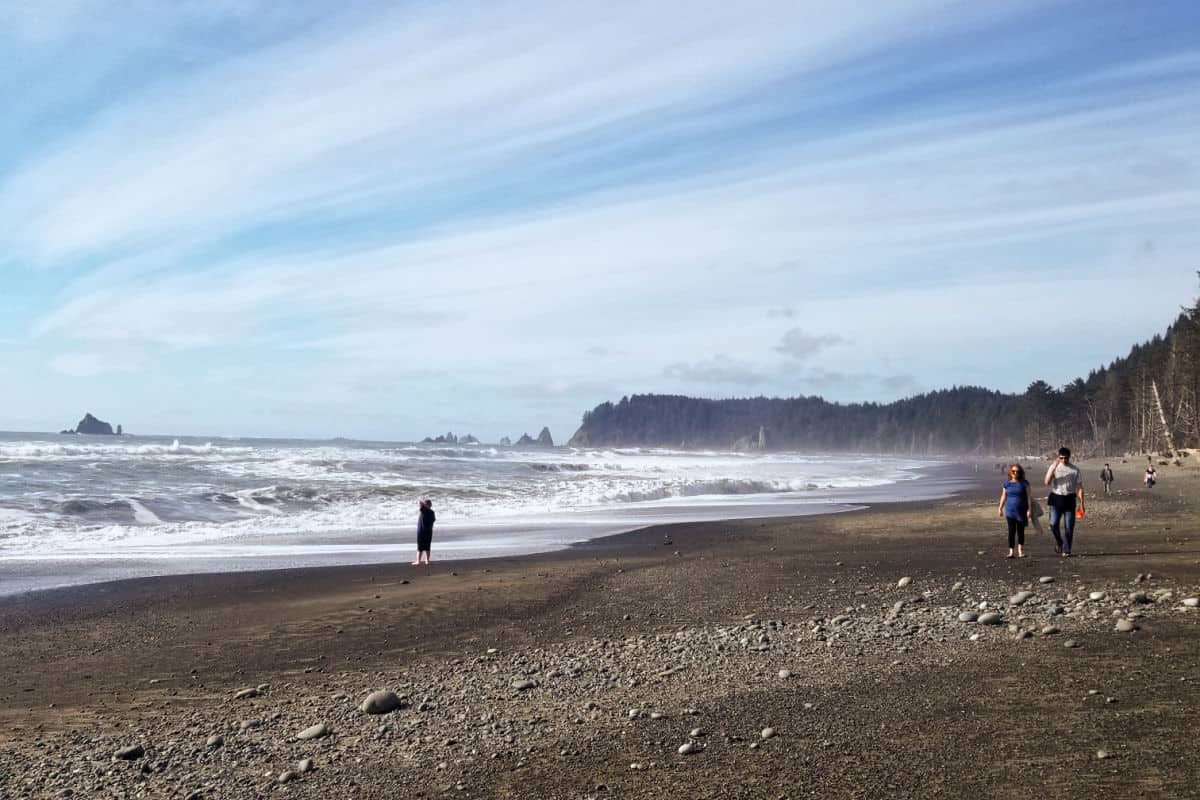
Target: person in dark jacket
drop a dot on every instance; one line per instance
(425, 520)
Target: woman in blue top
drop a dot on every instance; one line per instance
(1015, 506)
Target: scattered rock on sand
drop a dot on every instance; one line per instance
(134, 751)
(1046, 579)
(313, 732)
(784, 674)
(990, 618)
(523, 685)
(1125, 625)
(768, 733)
(1192, 602)
(214, 741)
(687, 748)
(905, 581)
(382, 701)
(1019, 598)
(305, 765)
(246, 694)
(968, 616)
(1096, 596)
(287, 776)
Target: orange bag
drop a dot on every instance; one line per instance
(1079, 513)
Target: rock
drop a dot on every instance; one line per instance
(990, 618)
(1049, 630)
(1020, 598)
(1125, 626)
(382, 701)
(247, 724)
(968, 616)
(696, 733)
(313, 732)
(784, 674)
(93, 426)
(287, 776)
(214, 741)
(1103, 754)
(523, 685)
(1046, 579)
(131, 753)
(957, 585)
(1191, 602)
(1096, 596)
(768, 733)
(1069, 643)
(1141, 598)
(246, 694)
(687, 748)
(905, 581)
(306, 765)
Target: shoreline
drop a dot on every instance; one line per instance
(20, 577)
(632, 643)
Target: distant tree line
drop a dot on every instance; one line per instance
(1146, 401)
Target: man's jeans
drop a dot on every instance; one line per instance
(1067, 518)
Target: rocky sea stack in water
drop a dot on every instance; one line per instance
(95, 427)
(544, 439)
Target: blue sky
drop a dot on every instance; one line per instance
(391, 220)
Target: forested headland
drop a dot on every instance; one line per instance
(1148, 400)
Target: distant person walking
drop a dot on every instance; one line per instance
(1106, 477)
(425, 520)
(1066, 495)
(1016, 506)
(1151, 476)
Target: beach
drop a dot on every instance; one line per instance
(807, 656)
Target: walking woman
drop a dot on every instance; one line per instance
(1016, 504)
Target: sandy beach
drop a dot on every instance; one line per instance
(816, 656)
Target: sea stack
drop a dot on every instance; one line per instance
(94, 427)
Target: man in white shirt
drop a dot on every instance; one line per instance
(1066, 488)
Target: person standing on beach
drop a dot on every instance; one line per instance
(1151, 476)
(425, 520)
(1106, 477)
(1066, 490)
(1016, 506)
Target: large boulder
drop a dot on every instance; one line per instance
(93, 426)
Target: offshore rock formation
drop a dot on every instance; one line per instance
(94, 427)
(544, 439)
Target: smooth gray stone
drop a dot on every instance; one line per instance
(990, 618)
(523, 685)
(214, 741)
(1046, 579)
(1019, 598)
(313, 732)
(246, 694)
(968, 616)
(1125, 626)
(382, 701)
(131, 753)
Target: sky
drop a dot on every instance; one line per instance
(390, 220)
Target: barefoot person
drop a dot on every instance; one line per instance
(1066, 494)
(425, 520)
(1151, 477)
(1016, 506)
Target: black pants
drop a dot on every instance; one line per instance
(1016, 532)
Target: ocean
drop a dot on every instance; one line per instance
(78, 509)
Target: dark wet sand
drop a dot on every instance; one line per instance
(925, 714)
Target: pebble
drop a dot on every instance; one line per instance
(1049, 630)
(1103, 754)
(214, 741)
(246, 694)
(1192, 602)
(696, 733)
(1125, 626)
(784, 674)
(1046, 579)
(990, 618)
(382, 701)
(1096, 596)
(968, 616)
(523, 685)
(1019, 598)
(1070, 643)
(313, 732)
(687, 748)
(768, 733)
(287, 776)
(957, 585)
(905, 581)
(130, 753)
(306, 765)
